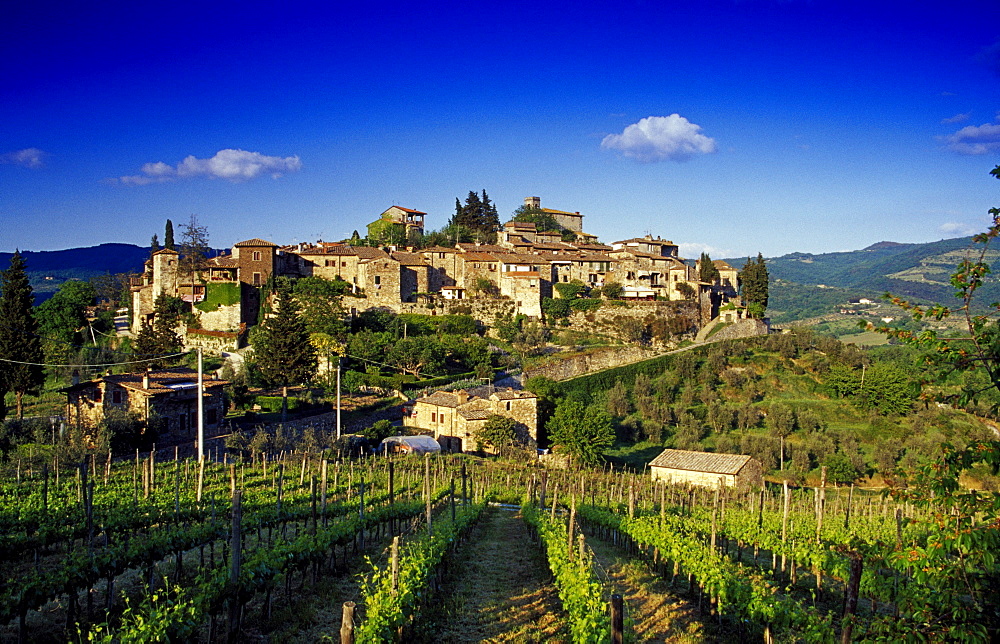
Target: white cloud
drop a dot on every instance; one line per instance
(958, 118)
(660, 138)
(695, 249)
(232, 165)
(958, 229)
(972, 139)
(28, 157)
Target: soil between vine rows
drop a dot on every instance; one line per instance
(498, 589)
(658, 615)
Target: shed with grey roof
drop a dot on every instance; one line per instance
(706, 469)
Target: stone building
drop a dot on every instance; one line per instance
(167, 397)
(677, 466)
(414, 275)
(453, 418)
(568, 220)
(406, 221)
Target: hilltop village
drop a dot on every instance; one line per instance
(510, 277)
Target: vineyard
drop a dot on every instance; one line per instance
(300, 547)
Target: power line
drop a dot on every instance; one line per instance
(106, 364)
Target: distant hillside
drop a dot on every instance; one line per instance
(919, 272)
(48, 269)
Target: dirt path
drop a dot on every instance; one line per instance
(498, 589)
(658, 614)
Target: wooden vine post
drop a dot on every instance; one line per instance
(851, 595)
(394, 559)
(427, 491)
(572, 522)
(347, 624)
(820, 510)
(617, 620)
(784, 526)
(236, 550)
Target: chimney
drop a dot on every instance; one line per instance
(145, 379)
(76, 377)
(463, 396)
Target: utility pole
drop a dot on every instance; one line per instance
(201, 410)
(338, 397)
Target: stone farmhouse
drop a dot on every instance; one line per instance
(168, 397)
(520, 269)
(453, 418)
(677, 466)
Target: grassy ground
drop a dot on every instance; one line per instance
(657, 615)
(498, 590)
(865, 339)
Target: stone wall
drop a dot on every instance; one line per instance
(224, 318)
(608, 320)
(598, 360)
(748, 328)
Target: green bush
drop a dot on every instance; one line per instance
(585, 304)
(273, 403)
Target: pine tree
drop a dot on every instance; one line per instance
(753, 284)
(283, 350)
(19, 340)
(168, 236)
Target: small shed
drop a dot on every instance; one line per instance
(410, 445)
(707, 469)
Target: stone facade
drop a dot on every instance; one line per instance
(453, 418)
(169, 397)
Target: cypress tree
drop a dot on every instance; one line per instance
(154, 245)
(168, 236)
(753, 284)
(283, 350)
(19, 341)
(707, 272)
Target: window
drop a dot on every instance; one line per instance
(378, 280)
(256, 256)
(508, 405)
(342, 264)
(256, 279)
(328, 262)
(116, 396)
(433, 417)
(211, 416)
(97, 395)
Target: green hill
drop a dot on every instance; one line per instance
(48, 269)
(804, 285)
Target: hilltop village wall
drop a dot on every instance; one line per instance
(488, 282)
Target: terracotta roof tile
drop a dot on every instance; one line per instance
(254, 242)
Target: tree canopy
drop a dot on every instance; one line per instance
(20, 345)
(159, 338)
(754, 284)
(168, 235)
(583, 431)
(707, 272)
(282, 348)
(478, 214)
(499, 432)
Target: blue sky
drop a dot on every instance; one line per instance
(733, 126)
